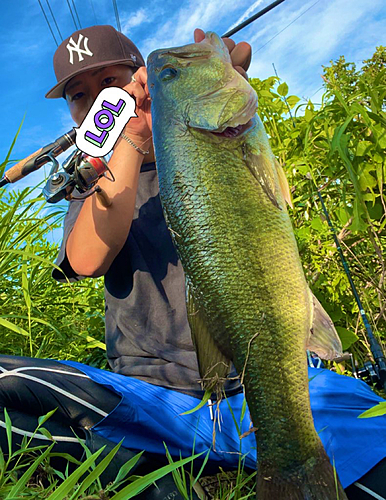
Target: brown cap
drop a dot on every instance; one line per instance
(91, 48)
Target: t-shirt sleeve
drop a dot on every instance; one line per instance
(62, 260)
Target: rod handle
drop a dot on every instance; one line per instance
(20, 170)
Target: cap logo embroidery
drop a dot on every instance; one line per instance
(75, 47)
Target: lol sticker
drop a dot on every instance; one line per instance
(103, 124)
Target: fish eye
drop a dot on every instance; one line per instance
(168, 74)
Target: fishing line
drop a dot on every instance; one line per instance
(76, 13)
(288, 25)
(44, 14)
(53, 17)
(117, 15)
(285, 99)
(72, 15)
(92, 6)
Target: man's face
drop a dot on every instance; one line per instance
(82, 90)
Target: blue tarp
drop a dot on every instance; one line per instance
(149, 415)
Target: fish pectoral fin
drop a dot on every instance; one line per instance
(261, 168)
(283, 184)
(214, 366)
(323, 339)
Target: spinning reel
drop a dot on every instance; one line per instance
(80, 172)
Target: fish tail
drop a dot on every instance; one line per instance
(316, 482)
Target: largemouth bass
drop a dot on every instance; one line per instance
(223, 195)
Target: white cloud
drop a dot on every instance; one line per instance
(180, 26)
(130, 20)
(326, 31)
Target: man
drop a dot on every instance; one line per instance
(149, 347)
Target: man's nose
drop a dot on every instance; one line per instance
(91, 98)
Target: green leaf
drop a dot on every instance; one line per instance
(25, 283)
(308, 115)
(25, 449)
(347, 337)
(238, 428)
(266, 93)
(4, 164)
(140, 484)
(19, 486)
(375, 411)
(205, 399)
(103, 464)
(126, 468)
(44, 418)
(366, 180)
(282, 89)
(364, 148)
(65, 488)
(8, 427)
(37, 320)
(45, 433)
(292, 100)
(243, 410)
(317, 224)
(202, 466)
(343, 215)
(178, 477)
(2, 462)
(358, 224)
(13, 327)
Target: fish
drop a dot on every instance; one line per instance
(224, 197)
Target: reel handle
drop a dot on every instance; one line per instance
(103, 197)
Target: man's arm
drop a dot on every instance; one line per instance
(100, 233)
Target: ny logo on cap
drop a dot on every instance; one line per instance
(75, 47)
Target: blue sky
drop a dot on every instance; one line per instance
(327, 29)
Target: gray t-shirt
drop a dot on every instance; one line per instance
(147, 330)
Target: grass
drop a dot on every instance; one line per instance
(27, 473)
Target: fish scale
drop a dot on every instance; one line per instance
(235, 240)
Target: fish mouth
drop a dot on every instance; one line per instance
(233, 132)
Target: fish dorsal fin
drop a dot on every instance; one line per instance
(323, 339)
(283, 183)
(261, 167)
(214, 367)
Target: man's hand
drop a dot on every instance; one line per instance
(139, 128)
(241, 53)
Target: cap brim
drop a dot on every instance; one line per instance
(57, 91)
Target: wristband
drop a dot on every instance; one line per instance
(127, 139)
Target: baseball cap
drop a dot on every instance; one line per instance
(90, 48)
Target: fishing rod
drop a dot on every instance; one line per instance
(39, 158)
(79, 171)
(252, 18)
(376, 373)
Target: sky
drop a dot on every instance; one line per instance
(298, 37)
